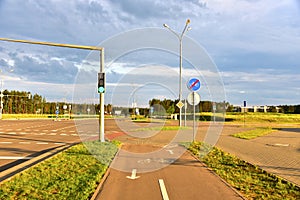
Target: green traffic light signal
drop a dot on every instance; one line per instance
(101, 82)
(101, 90)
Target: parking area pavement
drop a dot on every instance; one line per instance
(277, 152)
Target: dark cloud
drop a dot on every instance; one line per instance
(44, 70)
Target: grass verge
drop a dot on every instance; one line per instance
(251, 134)
(251, 181)
(71, 174)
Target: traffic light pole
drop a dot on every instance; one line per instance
(101, 112)
(101, 99)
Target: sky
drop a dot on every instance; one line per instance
(239, 49)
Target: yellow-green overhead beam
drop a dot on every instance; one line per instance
(54, 44)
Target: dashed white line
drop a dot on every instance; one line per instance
(63, 134)
(24, 142)
(12, 133)
(163, 189)
(62, 143)
(5, 142)
(42, 143)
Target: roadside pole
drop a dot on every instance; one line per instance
(100, 49)
(194, 99)
(194, 118)
(101, 99)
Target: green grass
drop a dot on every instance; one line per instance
(72, 174)
(251, 134)
(19, 116)
(251, 181)
(263, 117)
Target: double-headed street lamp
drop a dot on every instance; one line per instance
(180, 36)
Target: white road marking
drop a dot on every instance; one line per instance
(63, 134)
(14, 158)
(24, 142)
(42, 143)
(170, 151)
(163, 189)
(23, 133)
(133, 175)
(170, 146)
(282, 145)
(12, 133)
(60, 143)
(52, 134)
(5, 142)
(145, 161)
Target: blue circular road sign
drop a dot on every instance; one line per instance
(193, 84)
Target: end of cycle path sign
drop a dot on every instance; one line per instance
(193, 84)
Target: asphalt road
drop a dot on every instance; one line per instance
(186, 178)
(22, 140)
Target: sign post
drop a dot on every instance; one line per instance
(193, 98)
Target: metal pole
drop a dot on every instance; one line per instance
(101, 99)
(194, 117)
(180, 78)
(185, 105)
(186, 28)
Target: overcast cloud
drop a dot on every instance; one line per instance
(254, 43)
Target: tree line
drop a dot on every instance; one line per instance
(21, 102)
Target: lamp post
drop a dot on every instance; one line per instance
(180, 36)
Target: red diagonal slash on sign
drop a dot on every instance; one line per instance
(194, 84)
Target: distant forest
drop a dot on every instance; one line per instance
(18, 102)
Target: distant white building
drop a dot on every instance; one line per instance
(264, 108)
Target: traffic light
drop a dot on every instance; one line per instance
(101, 82)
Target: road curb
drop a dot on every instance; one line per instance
(103, 179)
(100, 186)
(8, 174)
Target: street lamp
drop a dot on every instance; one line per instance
(180, 36)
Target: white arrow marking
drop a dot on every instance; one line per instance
(133, 175)
(170, 151)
